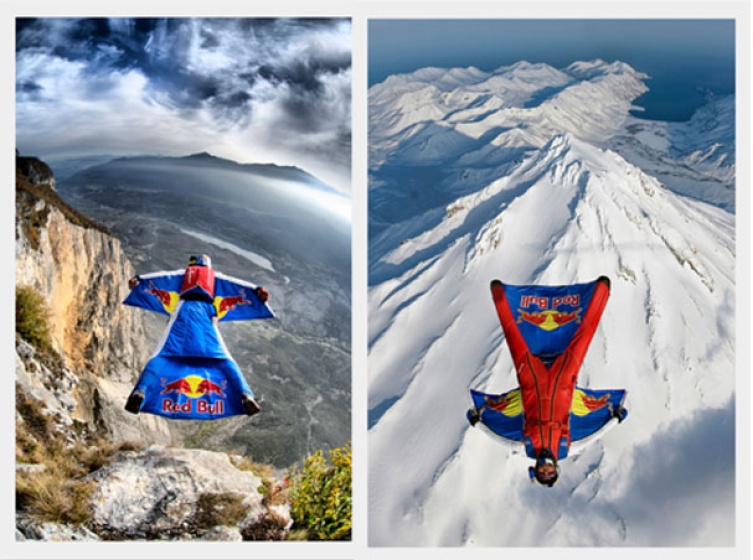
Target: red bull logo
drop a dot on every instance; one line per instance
(550, 319)
(194, 387)
(545, 314)
(547, 317)
(584, 404)
(509, 404)
(225, 304)
(168, 299)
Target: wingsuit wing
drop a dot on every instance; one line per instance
(157, 291)
(591, 412)
(238, 300)
(191, 374)
(501, 414)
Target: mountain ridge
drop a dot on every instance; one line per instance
(272, 170)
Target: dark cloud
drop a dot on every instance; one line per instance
(28, 87)
(160, 47)
(226, 67)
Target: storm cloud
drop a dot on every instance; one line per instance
(251, 90)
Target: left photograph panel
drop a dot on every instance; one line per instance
(183, 279)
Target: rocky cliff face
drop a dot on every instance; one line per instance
(82, 273)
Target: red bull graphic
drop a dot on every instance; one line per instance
(194, 387)
(206, 387)
(550, 319)
(509, 404)
(546, 316)
(168, 299)
(584, 404)
(225, 304)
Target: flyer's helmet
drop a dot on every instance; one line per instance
(546, 470)
(203, 260)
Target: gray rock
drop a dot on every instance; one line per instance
(157, 490)
(32, 530)
(222, 533)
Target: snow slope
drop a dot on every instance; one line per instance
(565, 211)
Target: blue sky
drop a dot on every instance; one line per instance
(251, 90)
(688, 53)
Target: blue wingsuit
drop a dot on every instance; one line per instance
(191, 374)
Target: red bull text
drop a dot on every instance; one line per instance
(194, 387)
(541, 302)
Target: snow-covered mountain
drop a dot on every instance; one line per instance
(440, 133)
(549, 204)
(695, 158)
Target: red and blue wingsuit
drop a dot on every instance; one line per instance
(548, 330)
(191, 374)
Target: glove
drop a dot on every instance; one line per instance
(263, 294)
(133, 282)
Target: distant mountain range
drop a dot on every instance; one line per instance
(65, 168)
(439, 133)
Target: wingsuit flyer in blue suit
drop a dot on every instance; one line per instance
(191, 375)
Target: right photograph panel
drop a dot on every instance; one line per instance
(552, 298)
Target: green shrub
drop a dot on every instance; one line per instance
(320, 495)
(32, 318)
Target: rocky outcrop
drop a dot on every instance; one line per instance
(83, 275)
(170, 494)
(159, 491)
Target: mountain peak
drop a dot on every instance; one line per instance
(598, 67)
(202, 155)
